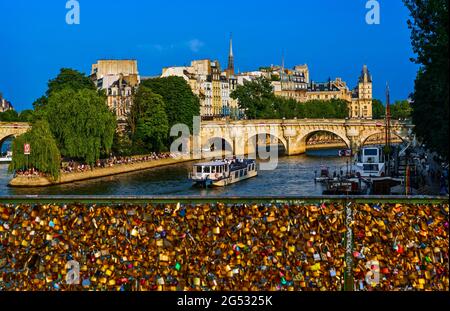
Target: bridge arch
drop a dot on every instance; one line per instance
(253, 141)
(12, 129)
(4, 138)
(302, 140)
(366, 137)
(217, 147)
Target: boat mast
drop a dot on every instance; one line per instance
(388, 130)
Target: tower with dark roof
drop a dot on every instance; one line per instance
(230, 69)
(362, 96)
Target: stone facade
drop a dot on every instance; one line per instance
(296, 84)
(212, 85)
(361, 104)
(120, 80)
(5, 105)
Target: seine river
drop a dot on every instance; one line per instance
(293, 176)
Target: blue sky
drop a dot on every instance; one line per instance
(331, 36)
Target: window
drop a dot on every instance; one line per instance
(236, 175)
(206, 169)
(370, 152)
(213, 169)
(199, 169)
(245, 172)
(241, 173)
(370, 167)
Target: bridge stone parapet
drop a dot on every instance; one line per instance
(12, 129)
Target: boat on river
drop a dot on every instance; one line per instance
(6, 158)
(221, 173)
(324, 174)
(345, 152)
(347, 186)
(370, 163)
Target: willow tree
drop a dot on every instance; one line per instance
(81, 123)
(44, 155)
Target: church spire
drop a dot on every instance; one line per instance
(230, 69)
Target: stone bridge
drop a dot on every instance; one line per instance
(12, 129)
(240, 137)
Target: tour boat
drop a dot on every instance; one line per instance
(370, 162)
(223, 172)
(7, 158)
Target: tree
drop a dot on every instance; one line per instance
(81, 123)
(401, 110)
(70, 78)
(378, 109)
(40, 102)
(255, 97)
(26, 115)
(44, 155)
(66, 79)
(429, 38)
(148, 121)
(122, 144)
(9, 116)
(259, 102)
(181, 105)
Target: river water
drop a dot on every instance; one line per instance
(293, 176)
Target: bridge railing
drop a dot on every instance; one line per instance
(198, 199)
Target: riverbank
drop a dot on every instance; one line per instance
(25, 181)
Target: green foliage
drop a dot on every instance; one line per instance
(122, 144)
(328, 109)
(40, 102)
(81, 123)
(148, 121)
(26, 116)
(275, 78)
(71, 79)
(44, 156)
(66, 79)
(259, 102)
(256, 98)
(429, 36)
(401, 110)
(378, 109)
(9, 116)
(180, 103)
(13, 116)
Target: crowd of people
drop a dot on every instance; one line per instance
(223, 246)
(74, 167)
(432, 171)
(31, 172)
